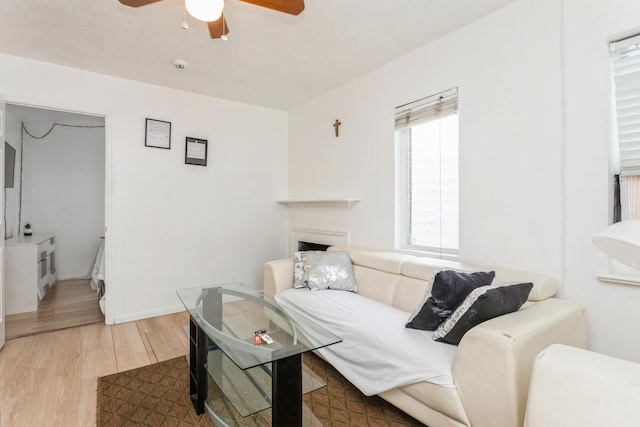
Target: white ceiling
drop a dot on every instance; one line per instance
(271, 59)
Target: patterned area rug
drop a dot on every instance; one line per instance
(157, 395)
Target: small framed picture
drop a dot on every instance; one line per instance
(157, 134)
(196, 152)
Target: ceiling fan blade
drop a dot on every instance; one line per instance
(292, 7)
(218, 28)
(137, 3)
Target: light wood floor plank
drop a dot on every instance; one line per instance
(50, 379)
(129, 347)
(98, 355)
(152, 355)
(160, 323)
(69, 303)
(169, 343)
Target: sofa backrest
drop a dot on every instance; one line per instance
(401, 280)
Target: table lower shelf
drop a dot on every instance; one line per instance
(249, 391)
(261, 419)
(224, 414)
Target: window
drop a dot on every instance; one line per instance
(616, 241)
(626, 162)
(427, 174)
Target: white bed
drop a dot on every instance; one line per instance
(97, 274)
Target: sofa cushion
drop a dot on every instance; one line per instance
(378, 285)
(329, 270)
(482, 304)
(407, 292)
(543, 286)
(390, 262)
(423, 268)
(449, 289)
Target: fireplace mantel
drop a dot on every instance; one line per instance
(317, 203)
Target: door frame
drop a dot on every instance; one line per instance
(2, 223)
(109, 311)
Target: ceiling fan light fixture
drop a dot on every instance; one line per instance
(205, 10)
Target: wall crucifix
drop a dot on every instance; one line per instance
(336, 125)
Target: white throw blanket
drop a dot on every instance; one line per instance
(377, 352)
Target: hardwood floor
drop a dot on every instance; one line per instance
(69, 303)
(50, 379)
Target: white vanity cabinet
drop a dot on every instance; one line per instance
(30, 271)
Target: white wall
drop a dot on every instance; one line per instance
(510, 91)
(63, 182)
(12, 194)
(534, 135)
(172, 225)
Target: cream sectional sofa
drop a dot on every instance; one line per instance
(492, 364)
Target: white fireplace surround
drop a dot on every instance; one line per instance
(311, 235)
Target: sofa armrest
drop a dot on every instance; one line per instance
(576, 387)
(278, 276)
(492, 367)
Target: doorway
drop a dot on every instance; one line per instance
(58, 197)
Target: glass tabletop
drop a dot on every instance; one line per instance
(231, 315)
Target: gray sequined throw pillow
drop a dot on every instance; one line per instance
(329, 270)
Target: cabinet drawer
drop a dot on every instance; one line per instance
(46, 248)
(43, 279)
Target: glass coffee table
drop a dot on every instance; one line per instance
(253, 374)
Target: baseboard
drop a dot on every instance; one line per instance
(73, 277)
(149, 313)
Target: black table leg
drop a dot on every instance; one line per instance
(286, 383)
(197, 369)
(199, 347)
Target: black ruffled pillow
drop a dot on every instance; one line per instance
(449, 289)
(480, 305)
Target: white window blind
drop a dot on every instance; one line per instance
(626, 74)
(427, 139)
(434, 107)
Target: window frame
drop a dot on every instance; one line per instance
(624, 81)
(402, 140)
(625, 102)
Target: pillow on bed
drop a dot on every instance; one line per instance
(482, 304)
(328, 270)
(449, 289)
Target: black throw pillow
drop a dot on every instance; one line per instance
(450, 288)
(482, 304)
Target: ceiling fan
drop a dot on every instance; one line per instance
(210, 11)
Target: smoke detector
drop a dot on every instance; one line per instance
(180, 64)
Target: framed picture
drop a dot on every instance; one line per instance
(157, 134)
(196, 152)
